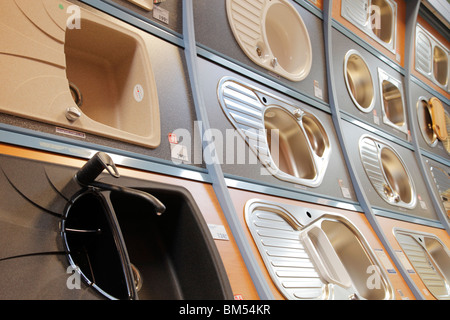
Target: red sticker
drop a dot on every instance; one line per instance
(173, 138)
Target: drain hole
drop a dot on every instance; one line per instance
(76, 94)
(264, 99)
(308, 214)
(137, 277)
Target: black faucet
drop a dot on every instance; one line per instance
(94, 167)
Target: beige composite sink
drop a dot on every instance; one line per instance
(376, 18)
(273, 35)
(429, 257)
(359, 81)
(289, 141)
(393, 106)
(387, 172)
(312, 254)
(94, 78)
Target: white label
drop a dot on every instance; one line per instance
(376, 119)
(404, 260)
(385, 260)
(179, 152)
(161, 14)
(218, 232)
(70, 132)
(138, 93)
(317, 90)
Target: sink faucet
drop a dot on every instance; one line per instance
(94, 167)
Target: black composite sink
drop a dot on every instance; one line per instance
(171, 256)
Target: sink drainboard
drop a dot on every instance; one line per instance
(310, 254)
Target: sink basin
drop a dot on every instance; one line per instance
(273, 35)
(425, 119)
(430, 259)
(359, 81)
(125, 250)
(94, 78)
(289, 141)
(440, 65)
(387, 172)
(431, 57)
(376, 18)
(312, 254)
(393, 106)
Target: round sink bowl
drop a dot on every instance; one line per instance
(359, 81)
(273, 35)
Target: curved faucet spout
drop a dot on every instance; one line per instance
(94, 167)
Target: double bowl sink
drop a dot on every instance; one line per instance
(312, 254)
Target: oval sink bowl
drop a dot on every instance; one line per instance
(393, 107)
(289, 141)
(359, 81)
(376, 18)
(273, 35)
(425, 120)
(387, 172)
(124, 250)
(429, 257)
(91, 73)
(312, 254)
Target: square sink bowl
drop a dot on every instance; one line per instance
(111, 235)
(393, 105)
(92, 74)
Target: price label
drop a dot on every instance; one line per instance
(161, 14)
(218, 232)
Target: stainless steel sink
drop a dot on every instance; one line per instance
(313, 254)
(393, 105)
(376, 18)
(431, 58)
(430, 259)
(359, 81)
(288, 140)
(387, 172)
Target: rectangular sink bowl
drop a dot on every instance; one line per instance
(311, 254)
(376, 18)
(89, 72)
(171, 256)
(392, 101)
(429, 257)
